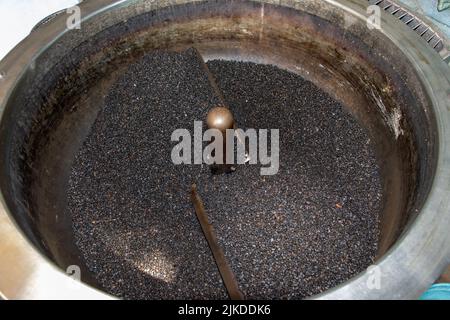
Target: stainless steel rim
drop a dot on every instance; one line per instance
(405, 270)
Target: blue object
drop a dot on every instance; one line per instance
(438, 291)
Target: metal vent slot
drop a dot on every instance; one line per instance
(420, 27)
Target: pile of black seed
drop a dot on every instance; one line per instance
(299, 232)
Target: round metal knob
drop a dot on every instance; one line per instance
(220, 118)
